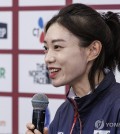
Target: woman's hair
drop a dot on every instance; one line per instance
(89, 25)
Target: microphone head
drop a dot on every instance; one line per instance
(40, 101)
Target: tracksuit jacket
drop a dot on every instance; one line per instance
(96, 113)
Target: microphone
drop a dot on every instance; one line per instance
(39, 103)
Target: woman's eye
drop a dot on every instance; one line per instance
(45, 49)
(57, 47)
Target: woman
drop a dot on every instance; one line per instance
(82, 49)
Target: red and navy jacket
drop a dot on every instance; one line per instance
(95, 113)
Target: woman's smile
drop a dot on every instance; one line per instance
(53, 72)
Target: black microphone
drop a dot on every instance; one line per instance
(39, 103)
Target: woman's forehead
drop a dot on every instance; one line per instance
(58, 32)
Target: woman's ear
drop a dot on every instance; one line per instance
(94, 50)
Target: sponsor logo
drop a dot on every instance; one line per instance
(39, 30)
(60, 133)
(3, 30)
(2, 123)
(2, 72)
(40, 75)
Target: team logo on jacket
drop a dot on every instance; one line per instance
(60, 133)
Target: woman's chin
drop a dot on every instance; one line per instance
(55, 84)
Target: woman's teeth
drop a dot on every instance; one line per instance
(54, 70)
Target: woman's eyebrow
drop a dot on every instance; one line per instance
(58, 40)
(55, 40)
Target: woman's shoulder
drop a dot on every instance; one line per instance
(65, 110)
(115, 97)
(115, 90)
(65, 106)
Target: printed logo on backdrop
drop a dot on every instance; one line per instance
(38, 31)
(40, 74)
(2, 72)
(3, 30)
(2, 123)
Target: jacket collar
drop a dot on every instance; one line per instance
(85, 103)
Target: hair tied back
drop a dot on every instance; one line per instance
(107, 16)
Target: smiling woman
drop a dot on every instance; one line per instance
(60, 48)
(82, 49)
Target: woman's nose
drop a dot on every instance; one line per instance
(49, 57)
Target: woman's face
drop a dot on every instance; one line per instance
(65, 59)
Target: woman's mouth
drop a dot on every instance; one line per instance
(53, 72)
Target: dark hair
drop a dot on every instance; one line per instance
(89, 25)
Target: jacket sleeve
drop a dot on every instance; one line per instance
(63, 119)
(54, 124)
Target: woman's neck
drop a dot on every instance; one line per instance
(82, 87)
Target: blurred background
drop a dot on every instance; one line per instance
(22, 69)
